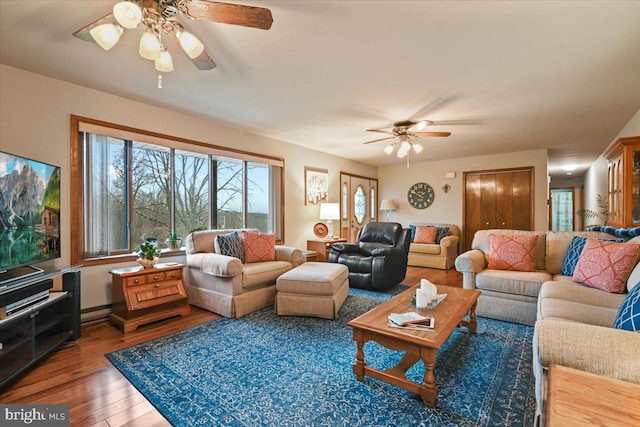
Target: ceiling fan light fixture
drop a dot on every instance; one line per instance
(402, 153)
(388, 149)
(106, 35)
(128, 14)
(417, 148)
(149, 46)
(190, 44)
(164, 63)
(406, 146)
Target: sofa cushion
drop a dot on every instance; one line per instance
(258, 247)
(560, 309)
(512, 282)
(515, 253)
(423, 248)
(230, 245)
(634, 278)
(557, 243)
(412, 228)
(577, 292)
(573, 253)
(263, 273)
(628, 316)
(481, 242)
(606, 265)
(426, 235)
(442, 233)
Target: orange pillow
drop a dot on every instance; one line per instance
(258, 247)
(425, 234)
(606, 265)
(513, 252)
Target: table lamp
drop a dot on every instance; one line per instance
(387, 205)
(329, 212)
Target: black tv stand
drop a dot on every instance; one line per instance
(31, 333)
(14, 275)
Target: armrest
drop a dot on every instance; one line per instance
(388, 251)
(290, 254)
(472, 261)
(596, 349)
(345, 247)
(215, 264)
(449, 241)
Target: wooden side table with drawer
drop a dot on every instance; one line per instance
(323, 246)
(145, 295)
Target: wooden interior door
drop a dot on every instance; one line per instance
(497, 199)
(358, 204)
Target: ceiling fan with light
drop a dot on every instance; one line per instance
(406, 132)
(158, 19)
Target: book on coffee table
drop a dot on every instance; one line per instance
(411, 318)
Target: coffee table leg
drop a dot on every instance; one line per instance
(358, 367)
(473, 324)
(429, 391)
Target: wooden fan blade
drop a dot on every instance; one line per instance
(83, 33)
(378, 140)
(419, 125)
(235, 14)
(202, 62)
(381, 131)
(432, 133)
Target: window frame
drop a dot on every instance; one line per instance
(77, 170)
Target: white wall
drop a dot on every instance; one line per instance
(35, 123)
(394, 182)
(595, 179)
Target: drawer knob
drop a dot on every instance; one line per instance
(155, 277)
(173, 274)
(136, 281)
(157, 285)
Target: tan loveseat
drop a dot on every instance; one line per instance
(442, 255)
(513, 295)
(225, 285)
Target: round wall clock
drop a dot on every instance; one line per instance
(420, 195)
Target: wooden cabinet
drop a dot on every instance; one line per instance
(142, 296)
(323, 247)
(623, 182)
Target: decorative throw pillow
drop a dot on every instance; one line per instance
(573, 253)
(425, 234)
(606, 265)
(258, 247)
(442, 233)
(628, 316)
(413, 232)
(513, 252)
(230, 245)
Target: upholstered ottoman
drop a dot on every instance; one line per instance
(314, 289)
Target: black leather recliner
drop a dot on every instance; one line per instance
(378, 259)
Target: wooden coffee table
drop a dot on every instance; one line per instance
(458, 309)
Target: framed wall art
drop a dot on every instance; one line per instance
(316, 185)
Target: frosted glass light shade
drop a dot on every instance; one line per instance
(417, 148)
(127, 14)
(388, 150)
(190, 44)
(149, 46)
(406, 146)
(106, 35)
(164, 62)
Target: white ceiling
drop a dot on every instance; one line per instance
(501, 76)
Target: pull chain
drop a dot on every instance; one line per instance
(159, 81)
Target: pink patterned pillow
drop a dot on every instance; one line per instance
(258, 247)
(513, 252)
(606, 265)
(425, 234)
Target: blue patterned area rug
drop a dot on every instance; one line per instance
(265, 370)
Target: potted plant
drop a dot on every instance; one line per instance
(174, 242)
(149, 254)
(601, 214)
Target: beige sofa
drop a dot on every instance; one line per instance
(224, 285)
(513, 295)
(442, 255)
(574, 329)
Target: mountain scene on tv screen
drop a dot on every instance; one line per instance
(29, 211)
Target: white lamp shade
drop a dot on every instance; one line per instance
(106, 35)
(417, 148)
(402, 153)
(388, 205)
(127, 14)
(388, 150)
(329, 211)
(149, 46)
(190, 44)
(406, 146)
(164, 62)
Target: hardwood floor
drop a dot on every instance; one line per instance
(98, 395)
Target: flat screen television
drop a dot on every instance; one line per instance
(29, 215)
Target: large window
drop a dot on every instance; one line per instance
(129, 185)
